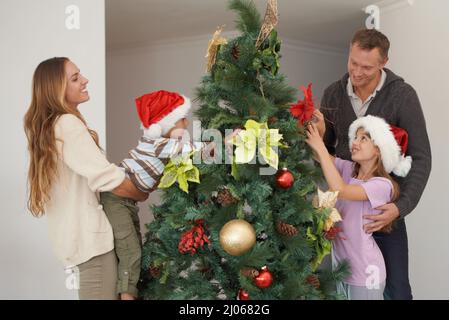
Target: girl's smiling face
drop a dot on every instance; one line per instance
(363, 148)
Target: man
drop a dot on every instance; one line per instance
(370, 88)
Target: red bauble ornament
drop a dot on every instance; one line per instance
(264, 279)
(243, 295)
(284, 179)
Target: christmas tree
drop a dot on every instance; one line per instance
(237, 231)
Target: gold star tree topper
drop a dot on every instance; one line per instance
(269, 22)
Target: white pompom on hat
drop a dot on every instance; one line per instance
(391, 141)
(160, 110)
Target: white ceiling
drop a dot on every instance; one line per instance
(322, 22)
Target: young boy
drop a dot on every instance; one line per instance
(163, 116)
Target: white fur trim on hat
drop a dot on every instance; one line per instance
(383, 138)
(403, 167)
(153, 132)
(164, 125)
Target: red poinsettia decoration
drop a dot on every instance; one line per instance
(303, 109)
(194, 238)
(333, 233)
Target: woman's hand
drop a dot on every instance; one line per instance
(314, 140)
(318, 119)
(128, 190)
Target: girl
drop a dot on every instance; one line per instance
(363, 185)
(67, 168)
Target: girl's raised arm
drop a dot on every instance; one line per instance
(333, 177)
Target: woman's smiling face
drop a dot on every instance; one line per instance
(76, 90)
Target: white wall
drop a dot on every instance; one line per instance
(419, 52)
(32, 31)
(178, 65)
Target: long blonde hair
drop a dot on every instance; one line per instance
(47, 105)
(379, 171)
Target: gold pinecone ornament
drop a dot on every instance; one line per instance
(286, 229)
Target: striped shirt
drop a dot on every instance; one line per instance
(147, 161)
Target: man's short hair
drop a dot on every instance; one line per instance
(369, 39)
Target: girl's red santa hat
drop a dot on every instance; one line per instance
(391, 141)
(160, 110)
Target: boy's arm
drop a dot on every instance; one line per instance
(167, 148)
(207, 147)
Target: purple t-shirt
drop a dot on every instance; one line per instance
(353, 244)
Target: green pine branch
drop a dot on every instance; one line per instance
(249, 20)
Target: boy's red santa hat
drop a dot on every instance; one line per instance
(391, 141)
(160, 110)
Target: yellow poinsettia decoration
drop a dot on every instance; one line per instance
(182, 170)
(324, 200)
(328, 200)
(257, 136)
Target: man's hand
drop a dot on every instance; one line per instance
(128, 190)
(318, 119)
(389, 214)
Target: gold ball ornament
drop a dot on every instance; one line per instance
(237, 237)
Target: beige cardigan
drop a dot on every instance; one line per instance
(78, 226)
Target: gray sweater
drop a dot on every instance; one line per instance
(398, 103)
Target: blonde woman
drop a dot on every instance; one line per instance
(67, 170)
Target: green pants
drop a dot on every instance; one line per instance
(123, 216)
(98, 278)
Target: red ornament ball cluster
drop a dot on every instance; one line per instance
(333, 233)
(194, 238)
